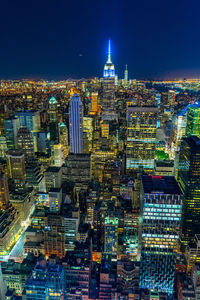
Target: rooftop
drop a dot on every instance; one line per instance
(160, 184)
(53, 169)
(52, 100)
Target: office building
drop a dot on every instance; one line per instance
(34, 176)
(3, 147)
(57, 155)
(87, 134)
(10, 229)
(30, 120)
(162, 209)
(105, 129)
(53, 110)
(71, 223)
(25, 143)
(16, 167)
(171, 100)
(76, 124)
(9, 218)
(54, 128)
(141, 137)
(111, 235)
(24, 202)
(77, 168)
(4, 192)
(188, 178)
(128, 275)
(11, 127)
(108, 278)
(94, 108)
(46, 282)
(55, 199)
(180, 129)
(43, 142)
(54, 236)
(15, 274)
(77, 267)
(53, 178)
(193, 120)
(64, 139)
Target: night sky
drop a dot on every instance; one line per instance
(61, 39)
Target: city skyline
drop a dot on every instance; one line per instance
(100, 168)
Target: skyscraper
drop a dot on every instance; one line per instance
(109, 68)
(188, 178)
(53, 121)
(162, 209)
(4, 193)
(193, 120)
(53, 110)
(76, 124)
(94, 107)
(16, 167)
(111, 234)
(54, 236)
(11, 127)
(108, 84)
(126, 75)
(9, 218)
(141, 137)
(30, 120)
(25, 143)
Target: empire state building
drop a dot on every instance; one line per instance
(108, 85)
(109, 68)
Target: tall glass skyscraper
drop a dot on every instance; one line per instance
(193, 120)
(11, 127)
(162, 208)
(31, 120)
(76, 124)
(188, 178)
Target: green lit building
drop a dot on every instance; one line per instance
(193, 120)
(111, 234)
(188, 178)
(141, 137)
(53, 110)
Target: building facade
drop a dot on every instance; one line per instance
(162, 209)
(76, 124)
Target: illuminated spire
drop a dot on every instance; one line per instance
(109, 68)
(109, 53)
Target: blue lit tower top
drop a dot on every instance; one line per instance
(109, 69)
